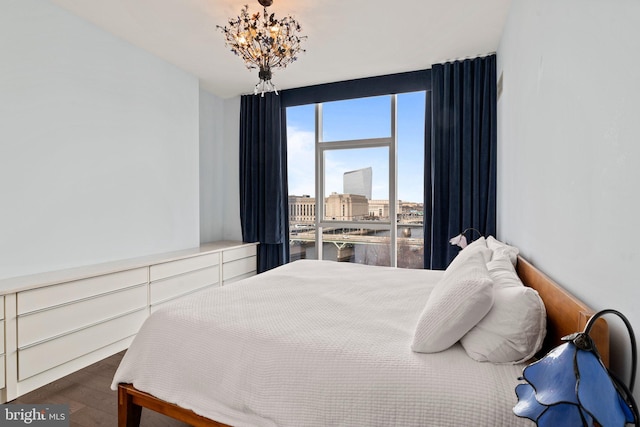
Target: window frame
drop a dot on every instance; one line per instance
(390, 84)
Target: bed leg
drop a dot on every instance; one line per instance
(128, 412)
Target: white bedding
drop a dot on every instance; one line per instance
(315, 343)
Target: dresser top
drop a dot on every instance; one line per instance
(21, 283)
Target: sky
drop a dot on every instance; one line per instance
(358, 119)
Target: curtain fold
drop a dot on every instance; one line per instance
(263, 178)
(463, 149)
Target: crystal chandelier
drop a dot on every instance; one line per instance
(263, 42)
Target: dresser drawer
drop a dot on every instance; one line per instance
(2, 368)
(175, 286)
(2, 342)
(44, 324)
(165, 303)
(38, 358)
(238, 268)
(238, 278)
(64, 293)
(238, 253)
(174, 268)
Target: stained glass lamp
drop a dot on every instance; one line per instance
(570, 386)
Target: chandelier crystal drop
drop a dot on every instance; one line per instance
(263, 42)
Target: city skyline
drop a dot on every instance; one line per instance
(348, 207)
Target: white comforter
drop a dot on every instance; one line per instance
(315, 343)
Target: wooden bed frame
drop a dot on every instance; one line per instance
(565, 314)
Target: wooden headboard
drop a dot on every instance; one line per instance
(565, 313)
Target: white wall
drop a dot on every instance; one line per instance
(212, 184)
(98, 145)
(219, 168)
(568, 148)
(231, 167)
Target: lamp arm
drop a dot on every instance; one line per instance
(471, 229)
(627, 392)
(632, 338)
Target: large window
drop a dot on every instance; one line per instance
(347, 160)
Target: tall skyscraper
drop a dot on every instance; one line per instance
(358, 182)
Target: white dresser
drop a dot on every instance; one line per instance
(54, 323)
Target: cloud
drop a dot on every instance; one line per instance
(300, 161)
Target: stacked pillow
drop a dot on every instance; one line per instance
(481, 302)
(500, 249)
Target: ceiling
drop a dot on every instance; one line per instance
(347, 39)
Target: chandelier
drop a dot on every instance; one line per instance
(263, 42)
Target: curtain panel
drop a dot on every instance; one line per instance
(263, 178)
(463, 150)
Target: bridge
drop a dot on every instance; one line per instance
(343, 239)
(346, 241)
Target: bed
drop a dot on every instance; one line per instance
(247, 353)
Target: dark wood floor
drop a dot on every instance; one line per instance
(91, 401)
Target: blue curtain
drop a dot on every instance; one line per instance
(263, 178)
(463, 150)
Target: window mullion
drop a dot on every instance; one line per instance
(319, 155)
(393, 183)
(358, 143)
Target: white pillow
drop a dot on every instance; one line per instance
(502, 272)
(461, 298)
(480, 241)
(515, 327)
(499, 248)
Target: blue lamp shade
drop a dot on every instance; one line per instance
(570, 386)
